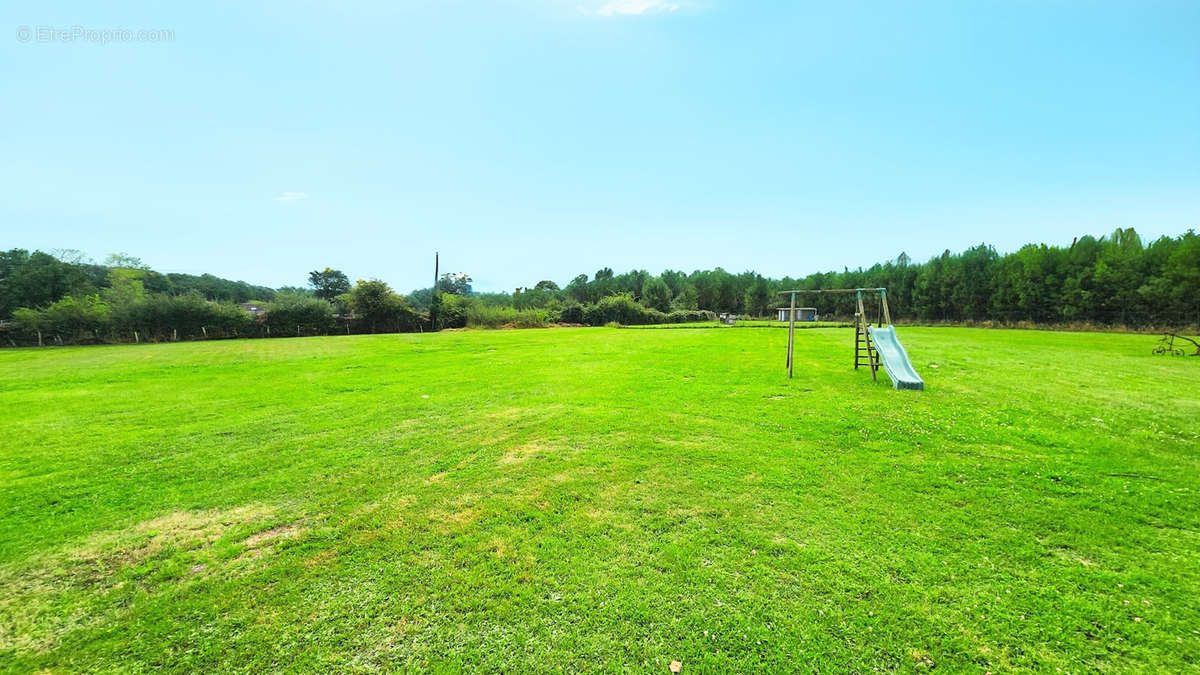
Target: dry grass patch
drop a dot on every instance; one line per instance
(499, 547)
(260, 543)
(455, 514)
(180, 530)
(322, 559)
(40, 602)
(523, 452)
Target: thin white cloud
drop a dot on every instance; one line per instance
(291, 196)
(633, 7)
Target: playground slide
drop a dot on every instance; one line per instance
(894, 359)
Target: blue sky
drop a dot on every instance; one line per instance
(532, 139)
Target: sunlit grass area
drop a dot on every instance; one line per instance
(600, 499)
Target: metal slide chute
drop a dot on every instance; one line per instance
(894, 359)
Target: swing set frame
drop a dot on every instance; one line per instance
(864, 347)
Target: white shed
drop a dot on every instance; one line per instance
(802, 313)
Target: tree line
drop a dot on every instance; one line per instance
(1118, 279)
(1115, 280)
(37, 279)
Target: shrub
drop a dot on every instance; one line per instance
(228, 320)
(156, 316)
(70, 319)
(572, 313)
(485, 316)
(691, 316)
(159, 316)
(378, 308)
(292, 313)
(453, 311)
(623, 309)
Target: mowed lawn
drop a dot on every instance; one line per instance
(601, 499)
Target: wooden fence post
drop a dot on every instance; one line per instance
(791, 344)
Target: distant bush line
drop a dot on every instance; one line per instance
(1105, 282)
(107, 318)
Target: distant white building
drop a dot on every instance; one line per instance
(802, 313)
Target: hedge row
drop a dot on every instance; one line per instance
(90, 320)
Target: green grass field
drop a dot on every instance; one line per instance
(600, 499)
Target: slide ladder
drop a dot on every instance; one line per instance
(864, 351)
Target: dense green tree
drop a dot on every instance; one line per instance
(758, 298)
(126, 261)
(208, 286)
(379, 307)
(38, 279)
(328, 283)
(578, 289)
(656, 294)
(1181, 279)
(538, 297)
(686, 299)
(125, 294)
(455, 283)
